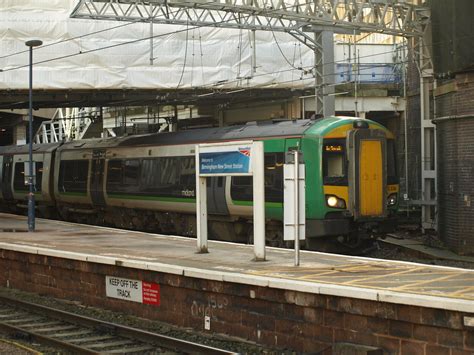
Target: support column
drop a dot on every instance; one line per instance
(19, 134)
(324, 73)
(428, 147)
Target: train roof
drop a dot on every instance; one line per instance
(251, 130)
(23, 149)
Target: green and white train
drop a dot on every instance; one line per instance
(147, 182)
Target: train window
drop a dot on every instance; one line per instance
(392, 176)
(242, 181)
(19, 178)
(131, 172)
(39, 176)
(168, 177)
(73, 176)
(242, 186)
(123, 176)
(114, 172)
(334, 162)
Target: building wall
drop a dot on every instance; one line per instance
(455, 131)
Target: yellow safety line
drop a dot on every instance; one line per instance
(393, 274)
(327, 273)
(446, 295)
(426, 281)
(467, 289)
(349, 271)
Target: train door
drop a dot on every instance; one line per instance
(367, 165)
(216, 201)
(7, 177)
(97, 177)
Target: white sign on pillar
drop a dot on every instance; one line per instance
(244, 158)
(293, 204)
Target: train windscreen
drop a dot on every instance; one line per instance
(334, 162)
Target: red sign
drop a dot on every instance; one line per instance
(151, 293)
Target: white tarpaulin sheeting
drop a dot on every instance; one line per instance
(93, 54)
(119, 56)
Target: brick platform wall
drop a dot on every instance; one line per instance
(276, 318)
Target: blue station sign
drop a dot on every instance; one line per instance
(232, 159)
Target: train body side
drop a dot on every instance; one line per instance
(148, 182)
(14, 163)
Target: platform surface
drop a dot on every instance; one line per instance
(321, 273)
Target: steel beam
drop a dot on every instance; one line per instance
(299, 18)
(392, 17)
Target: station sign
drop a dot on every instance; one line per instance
(225, 160)
(132, 290)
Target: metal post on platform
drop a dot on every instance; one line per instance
(258, 201)
(294, 200)
(31, 173)
(297, 202)
(201, 208)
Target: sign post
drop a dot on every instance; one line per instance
(294, 201)
(243, 158)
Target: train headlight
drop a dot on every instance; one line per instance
(335, 202)
(392, 200)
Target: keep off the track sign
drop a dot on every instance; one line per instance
(132, 290)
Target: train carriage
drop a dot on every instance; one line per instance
(148, 182)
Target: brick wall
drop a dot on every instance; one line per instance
(455, 99)
(276, 318)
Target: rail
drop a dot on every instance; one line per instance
(84, 335)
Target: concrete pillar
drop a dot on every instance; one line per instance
(221, 117)
(19, 134)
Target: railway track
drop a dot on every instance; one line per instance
(77, 334)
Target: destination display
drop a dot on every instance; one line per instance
(231, 159)
(333, 148)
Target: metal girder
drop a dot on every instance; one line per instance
(392, 17)
(299, 18)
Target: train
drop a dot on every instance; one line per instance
(147, 182)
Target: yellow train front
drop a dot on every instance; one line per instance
(353, 191)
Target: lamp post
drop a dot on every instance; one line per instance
(31, 173)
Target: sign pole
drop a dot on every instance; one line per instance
(201, 208)
(258, 202)
(297, 203)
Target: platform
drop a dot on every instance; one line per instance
(322, 273)
(390, 294)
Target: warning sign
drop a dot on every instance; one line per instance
(151, 293)
(132, 290)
